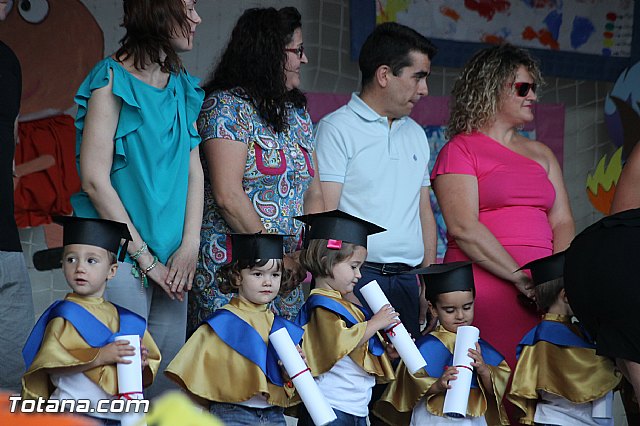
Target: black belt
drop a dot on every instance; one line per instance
(388, 268)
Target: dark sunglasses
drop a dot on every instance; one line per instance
(522, 89)
(299, 51)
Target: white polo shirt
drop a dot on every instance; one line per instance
(381, 169)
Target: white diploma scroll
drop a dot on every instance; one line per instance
(602, 408)
(130, 382)
(319, 409)
(397, 333)
(457, 398)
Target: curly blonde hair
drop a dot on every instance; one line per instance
(481, 84)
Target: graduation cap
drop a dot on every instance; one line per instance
(256, 246)
(446, 277)
(546, 269)
(337, 226)
(89, 231)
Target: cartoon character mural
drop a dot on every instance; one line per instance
(622, 117)
(57, 43)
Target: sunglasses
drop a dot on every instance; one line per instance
(299, 51)
(522, 89)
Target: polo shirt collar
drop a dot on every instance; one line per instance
(365, 112)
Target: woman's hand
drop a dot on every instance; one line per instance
(182, 267)
(525, 285)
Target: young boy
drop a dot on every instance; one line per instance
(419, 399)
(72, 352)
(558, 374)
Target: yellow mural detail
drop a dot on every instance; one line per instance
(388, 9)
(601, 185)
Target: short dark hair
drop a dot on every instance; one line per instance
(150, 25)
(229, 279)
(320, 260)
(435, 298)
(390, 44)
(254, 61)
(547, 293)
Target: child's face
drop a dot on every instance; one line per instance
(347, 273)
(454, 309)
(87, 269)
(260, 284)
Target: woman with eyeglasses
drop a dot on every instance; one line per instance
(257, 151)
(502, 195)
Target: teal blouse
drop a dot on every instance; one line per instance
(152, 145)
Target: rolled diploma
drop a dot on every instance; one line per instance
(130, 380)
(602, 408)
(398, 334)
(457, 398)
(319, 409)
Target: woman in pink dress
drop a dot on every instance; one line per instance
(502, 195)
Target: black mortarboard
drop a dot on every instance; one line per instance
(256, 246)
(546, 269)
(81, 230)
(338, 226)
(446, 277)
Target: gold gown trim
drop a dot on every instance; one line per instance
(576, 374)
(208, 368)
(401, 396)
(327, 340)
(62, 346)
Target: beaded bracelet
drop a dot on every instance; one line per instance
(141, 250)
(138, 272)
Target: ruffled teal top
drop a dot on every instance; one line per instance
(152, 145)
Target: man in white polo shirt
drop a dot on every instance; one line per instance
(373, 163)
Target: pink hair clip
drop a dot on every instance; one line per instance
(334, 244)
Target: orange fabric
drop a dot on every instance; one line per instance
(43, 194)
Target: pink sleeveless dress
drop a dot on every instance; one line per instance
(515, 196)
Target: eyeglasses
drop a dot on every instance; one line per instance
(299, 51)
(522, 88)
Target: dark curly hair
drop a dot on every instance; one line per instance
(229, 279)
(150, 26)
(254, 62)
(484, 79)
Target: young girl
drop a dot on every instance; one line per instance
(419, 399)
(227, 365)
(343, 350)
(558, 374)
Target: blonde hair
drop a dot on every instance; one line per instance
(479, 88)
(320, 260)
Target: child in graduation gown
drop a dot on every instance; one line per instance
(72, 352)
(227, 364)
(419, 399)
(343, 349)
(558, 375)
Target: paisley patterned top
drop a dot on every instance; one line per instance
(278, 170)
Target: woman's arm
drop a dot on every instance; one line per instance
(560, 216)
(627, 195)
(458, 199)
(96, 159)
(313, 197)
(226, 160)
(428, 224)
(182, 263)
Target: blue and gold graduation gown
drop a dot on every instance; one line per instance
(211, 369)
(63, 346)
(331, 335)
(400, 398)
(555, 356)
